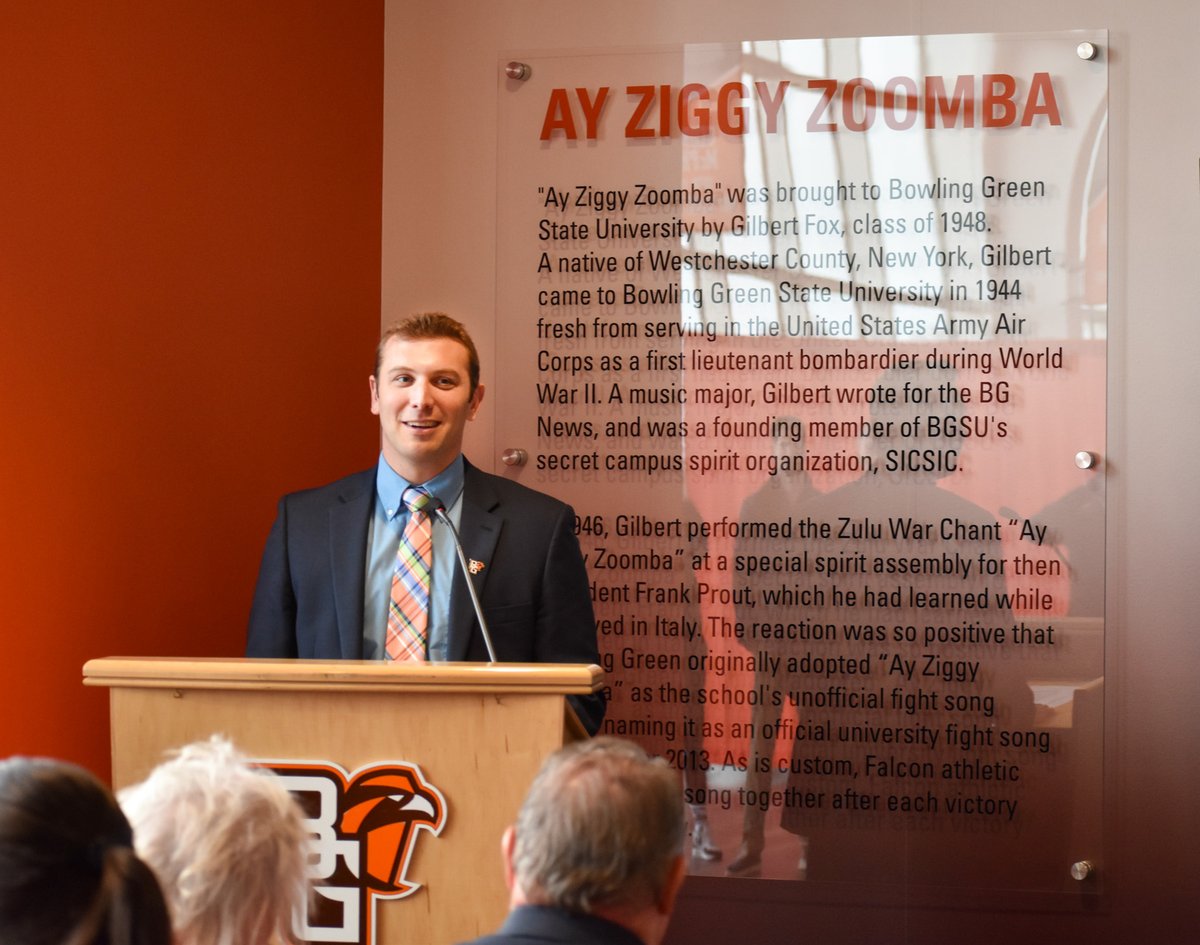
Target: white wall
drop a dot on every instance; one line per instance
(439, 231)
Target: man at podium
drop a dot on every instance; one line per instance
(367, 567)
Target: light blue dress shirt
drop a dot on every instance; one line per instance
(383, 538)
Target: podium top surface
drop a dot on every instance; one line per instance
(362, 675)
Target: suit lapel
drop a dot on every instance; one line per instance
(479, 529)
(348, 558)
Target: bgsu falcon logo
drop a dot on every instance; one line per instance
(364, 829)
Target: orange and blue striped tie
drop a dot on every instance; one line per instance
(408, 611)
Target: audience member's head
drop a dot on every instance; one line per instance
(68, 872)
(601, 832)
(227, 841)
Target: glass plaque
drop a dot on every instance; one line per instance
(811, 333)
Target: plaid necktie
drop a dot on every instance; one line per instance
(408, 612)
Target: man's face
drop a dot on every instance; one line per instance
(423, 400)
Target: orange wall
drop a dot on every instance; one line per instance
(189, 299)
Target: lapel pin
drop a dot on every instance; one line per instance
(475, 566)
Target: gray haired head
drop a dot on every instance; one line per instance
(600, 827)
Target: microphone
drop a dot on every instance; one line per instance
(439, 509)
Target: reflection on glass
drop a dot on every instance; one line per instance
(828, 391)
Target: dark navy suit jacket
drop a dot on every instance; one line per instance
(533, 586)
(544, 925)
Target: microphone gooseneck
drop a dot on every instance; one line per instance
(439, 509)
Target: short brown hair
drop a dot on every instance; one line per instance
(426, 325)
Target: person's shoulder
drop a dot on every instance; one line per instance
(505, 936)
(773, 499)
(509, 491)
(340, 490)
(493, 940)
(762, 501)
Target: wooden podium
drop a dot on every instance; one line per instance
(477, 732)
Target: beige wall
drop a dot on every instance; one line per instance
(439, 230)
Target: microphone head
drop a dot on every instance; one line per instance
(436, 505)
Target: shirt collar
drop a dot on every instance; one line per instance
(390, 485)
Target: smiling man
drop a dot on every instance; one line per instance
(364, 569)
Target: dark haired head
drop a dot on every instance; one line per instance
(68, 872)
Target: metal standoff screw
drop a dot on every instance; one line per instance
(1086, 51)
(517, 70)
(1085, 460)
(513, 457)
(1081, 870)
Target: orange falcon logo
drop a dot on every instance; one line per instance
(364, 830)
(383, 807)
